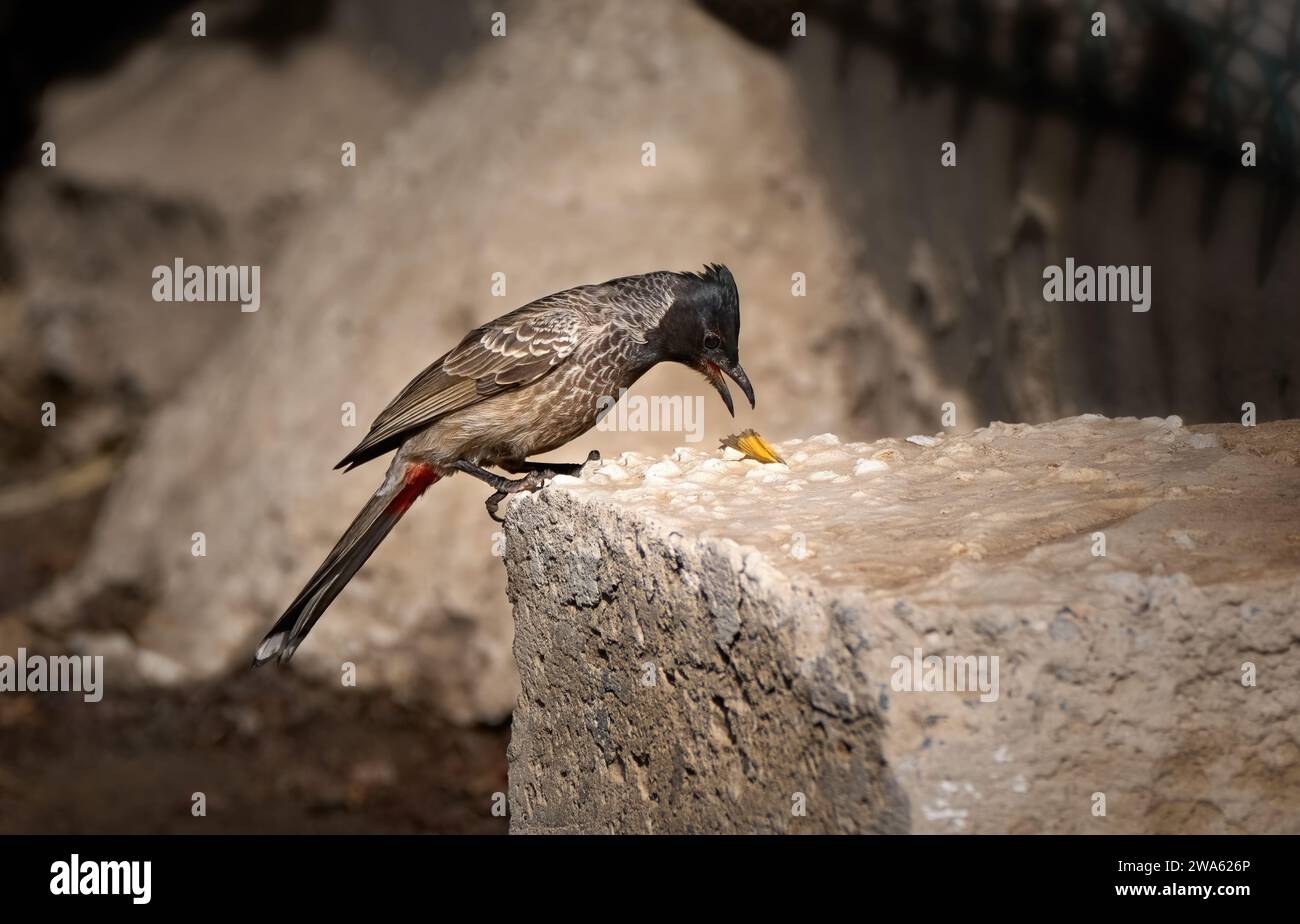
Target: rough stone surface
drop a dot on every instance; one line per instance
(701, 643)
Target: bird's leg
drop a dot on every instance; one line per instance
(536, 474)
(533, 481)
(550, 469)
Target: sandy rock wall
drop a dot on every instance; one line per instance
(710, 644)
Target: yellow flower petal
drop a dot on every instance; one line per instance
(752, 445)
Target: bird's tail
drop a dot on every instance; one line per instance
(377, 517)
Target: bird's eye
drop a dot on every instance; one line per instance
(712, 341)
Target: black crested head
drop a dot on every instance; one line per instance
(701, 329)
(715, 289)
(705, 302)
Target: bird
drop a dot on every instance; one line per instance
(521, 385)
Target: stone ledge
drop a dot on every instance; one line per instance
(708, 645)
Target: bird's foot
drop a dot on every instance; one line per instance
(536, 476)
(533, 481)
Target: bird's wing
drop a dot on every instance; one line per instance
(515, 349)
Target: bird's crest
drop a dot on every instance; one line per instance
(714, 273)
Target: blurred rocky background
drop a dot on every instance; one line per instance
(522, 154)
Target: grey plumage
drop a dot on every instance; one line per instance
(521, 385)
(606, 322)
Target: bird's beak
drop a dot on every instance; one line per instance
(713, 372)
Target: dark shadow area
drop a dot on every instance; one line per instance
(1122, 149)
(1183, 65)
(270, 753)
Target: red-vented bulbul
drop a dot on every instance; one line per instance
(524, 384)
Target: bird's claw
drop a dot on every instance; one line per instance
(533, 481)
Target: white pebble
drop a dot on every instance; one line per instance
(921, 440)
(664, 469)
(613, 472)
(867, 466)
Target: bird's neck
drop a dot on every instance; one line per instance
(647, 349)
(638, 366)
